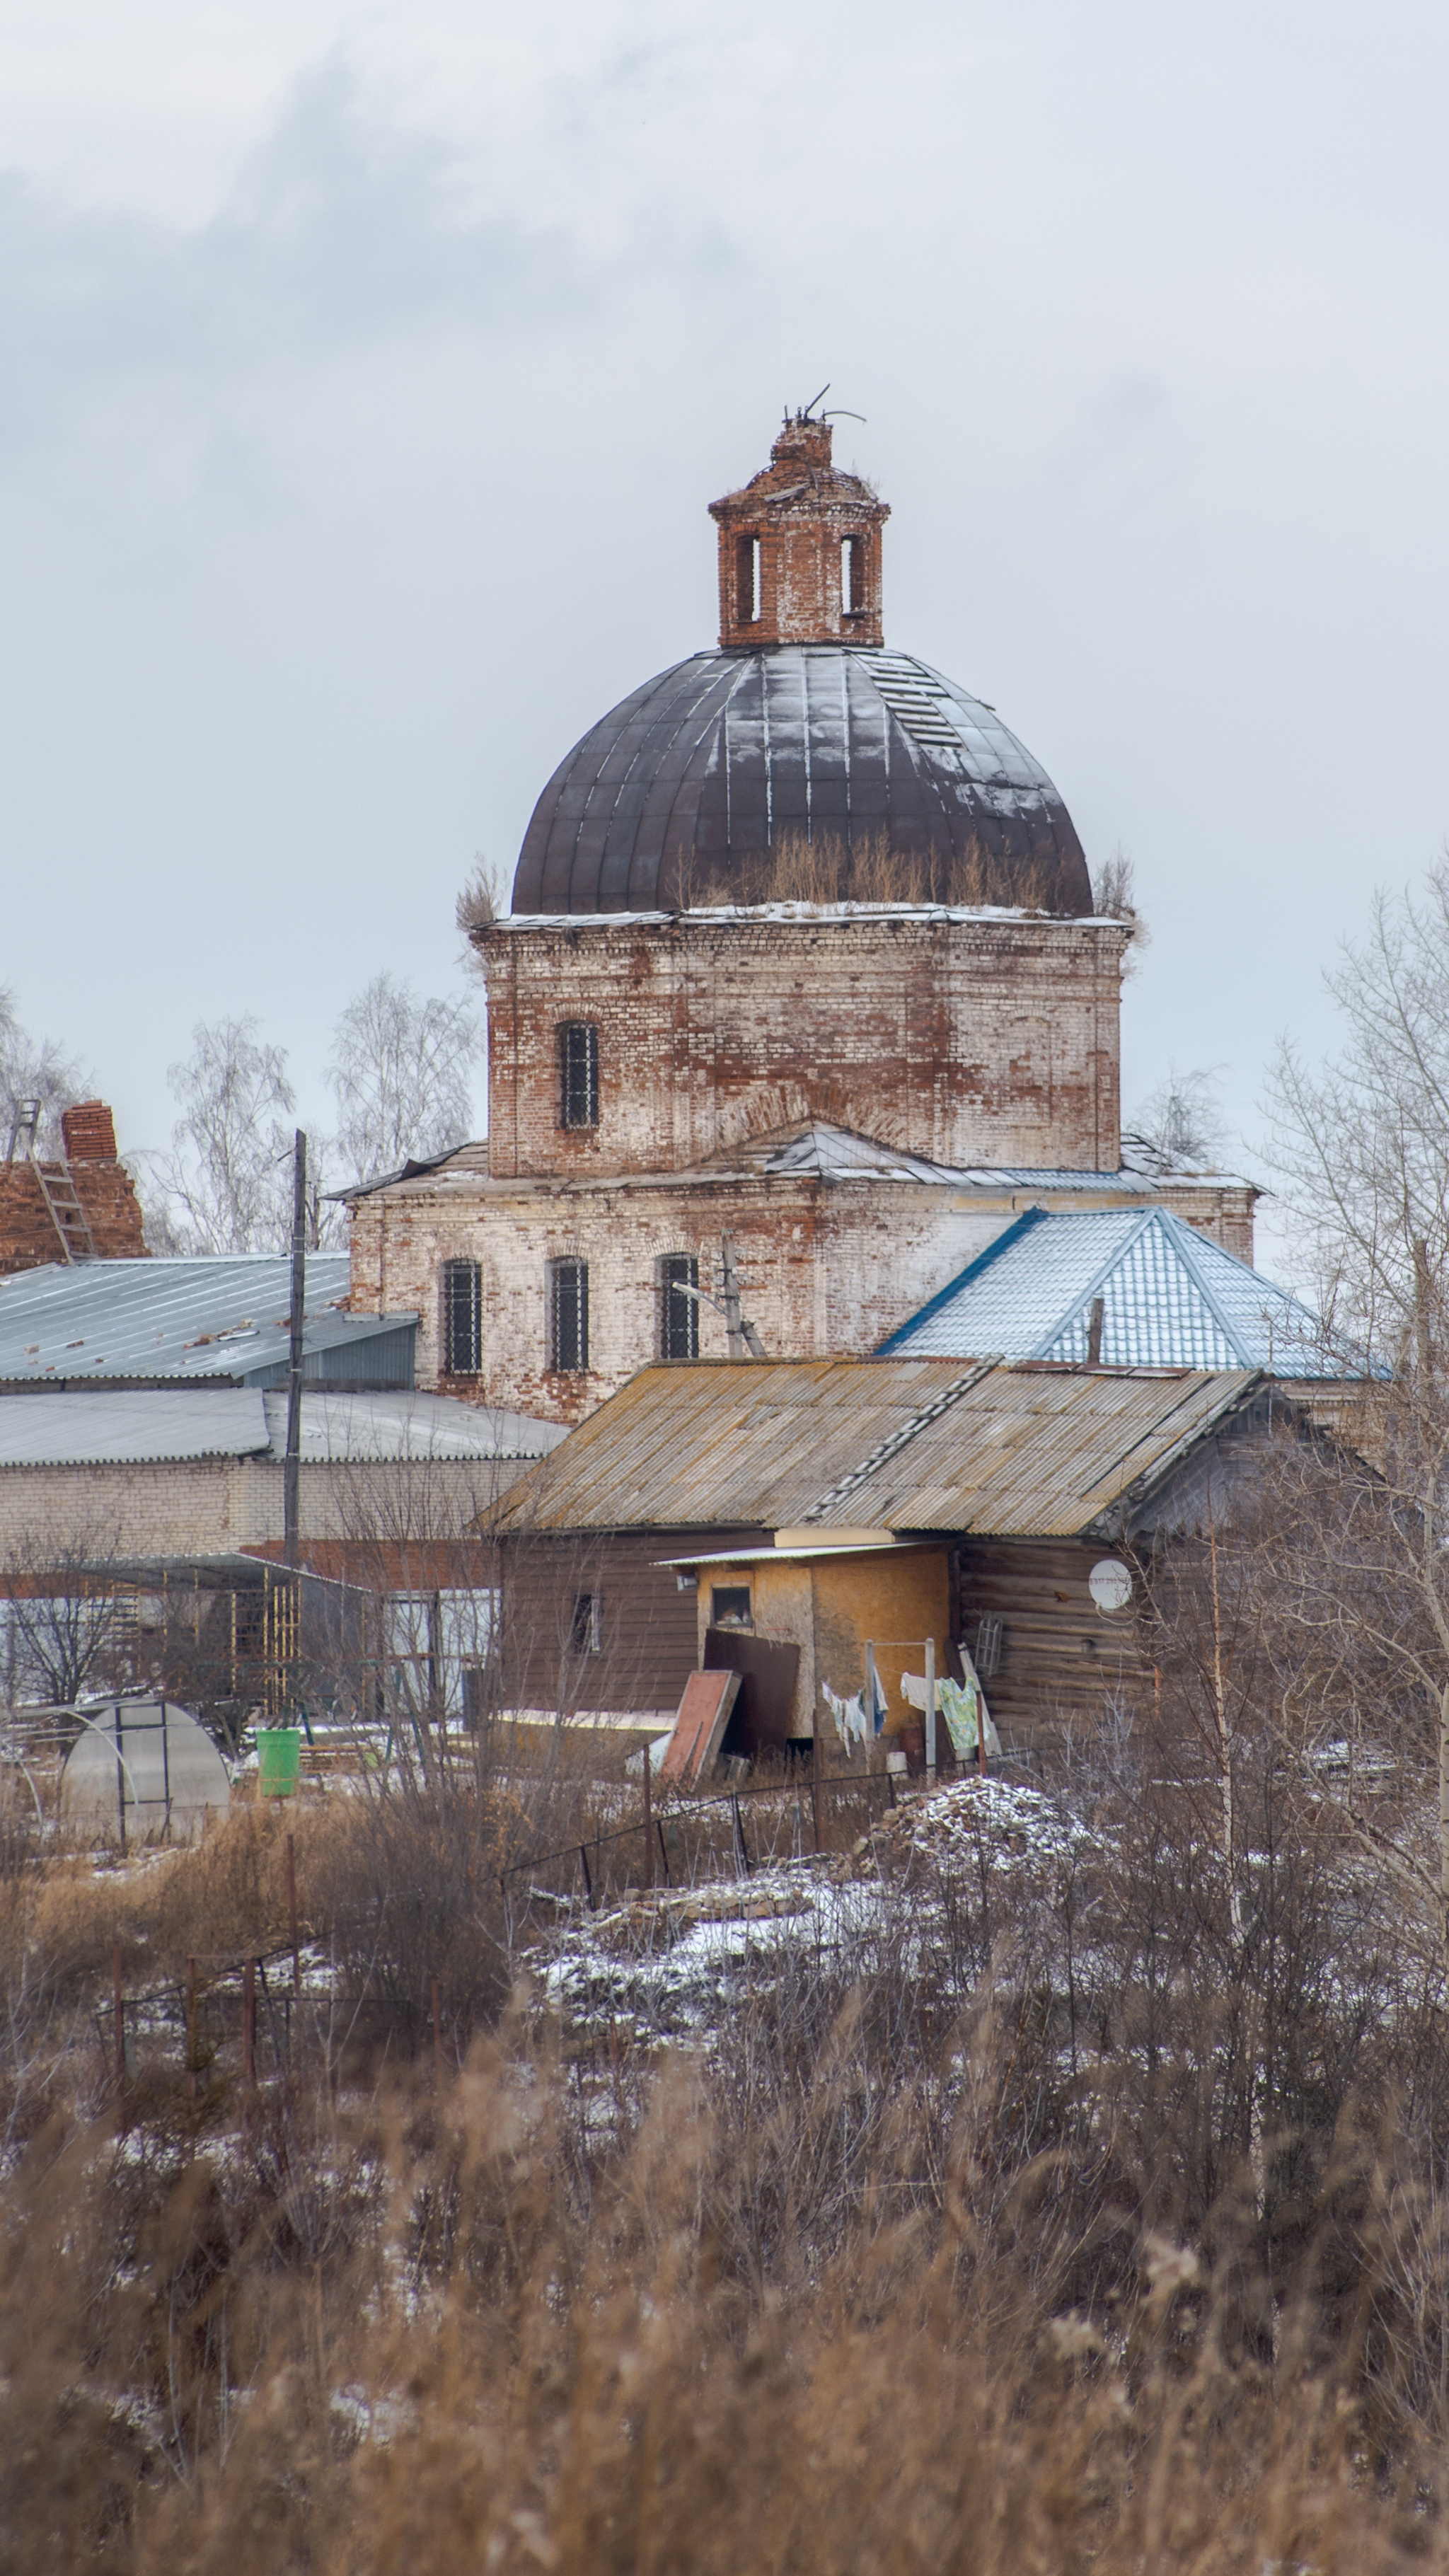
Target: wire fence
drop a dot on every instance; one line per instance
(687, 1842)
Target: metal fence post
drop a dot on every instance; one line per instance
(292, 1915)
(816, 1766)
(249, 2025)
(648, 1813)
(118, 2007)
(930, 1709)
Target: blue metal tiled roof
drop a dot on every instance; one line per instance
(1171, 1298)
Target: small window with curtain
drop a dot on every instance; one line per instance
(462, 1318)
(578, 1072)
(679, 1334)
(568, 1314)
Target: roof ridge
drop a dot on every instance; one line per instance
(1186, 1245)
(1139, 1220)
(897, 1440)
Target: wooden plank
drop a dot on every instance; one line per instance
(699, 1726)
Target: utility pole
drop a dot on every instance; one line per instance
(744, 1342)
(731, 1298)
(292, 1471)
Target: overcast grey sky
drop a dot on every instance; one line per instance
(366, 372)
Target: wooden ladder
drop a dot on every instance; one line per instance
(58, 1189)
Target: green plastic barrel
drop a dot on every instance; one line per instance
(279, 1753)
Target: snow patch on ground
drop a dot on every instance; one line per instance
(664, 1965)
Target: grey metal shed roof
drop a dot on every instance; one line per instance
(400, 1422)
(130, 1426)
(1171, 1298)
(114, 1427)
(213, 1316)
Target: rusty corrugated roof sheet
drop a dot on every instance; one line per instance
(1008, 1452)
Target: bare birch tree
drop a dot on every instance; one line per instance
(1360, 1146)
(34, 1069)
(400, 1072)
(225, 1185)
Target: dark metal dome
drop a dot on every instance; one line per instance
(687, 785)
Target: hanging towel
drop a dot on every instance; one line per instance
(957, 1703)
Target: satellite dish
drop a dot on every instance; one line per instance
(143, 1766)
(1110, 1584)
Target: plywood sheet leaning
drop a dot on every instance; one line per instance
(704, 1713)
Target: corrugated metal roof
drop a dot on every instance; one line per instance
(222, 1315)
(907, 1444)
(1172, 1298)
(384, 1422)
(116, 1427)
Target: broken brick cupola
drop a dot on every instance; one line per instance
(800, 729)
(800, 549)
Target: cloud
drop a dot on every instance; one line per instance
(346, 227)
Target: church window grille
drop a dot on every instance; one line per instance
(568, 1314)
(578, 1064)
(462, 1318)
(852, 576)
(679, 1337)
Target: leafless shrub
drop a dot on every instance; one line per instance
(482, 899)
(1114, 897)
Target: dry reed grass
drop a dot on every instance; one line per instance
(1042, 2223)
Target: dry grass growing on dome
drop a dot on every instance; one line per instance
(828, 870)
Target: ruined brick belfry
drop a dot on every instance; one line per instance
(801, 952)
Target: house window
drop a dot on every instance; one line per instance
(729, 1605)
(462, 1318)
(852, 576)
(578, 1073)
(679, 1333)
(586, 1627)
(568, 1314)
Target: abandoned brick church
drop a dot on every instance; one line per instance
(802, 953)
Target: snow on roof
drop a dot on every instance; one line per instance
(1171, 1298)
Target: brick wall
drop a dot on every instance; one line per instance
(214, 1506)
(799, 510)
(966, 1038)
(103, 1185)
(827, 1267)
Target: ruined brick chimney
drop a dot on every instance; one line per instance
(82, 1208)
(800, 549)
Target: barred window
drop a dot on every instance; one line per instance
(568, 1314)
(578, 1073)
(679, 1328)
(462, 1318)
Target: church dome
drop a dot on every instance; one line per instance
(801, 732)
